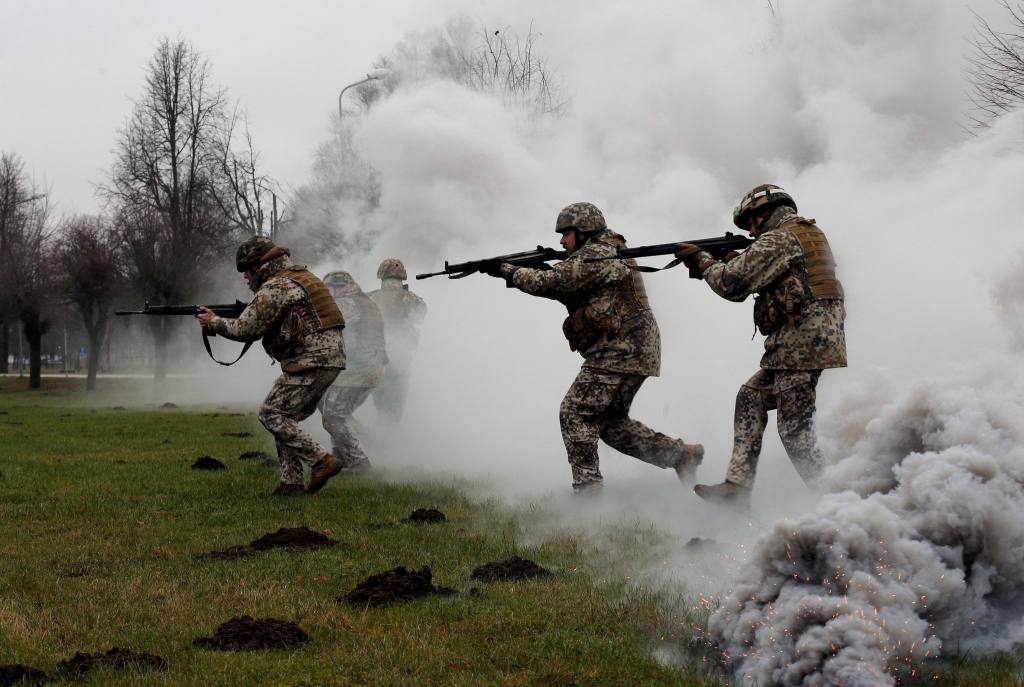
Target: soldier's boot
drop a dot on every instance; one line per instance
(690, 459)
(725, 494)
(592, 488)
(363, 467)
(324, 469)
(288, 490)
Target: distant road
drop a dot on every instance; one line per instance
(82, 375)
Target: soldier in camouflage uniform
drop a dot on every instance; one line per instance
(611, 325)
(799, 308)
(364, 338)
(300, 325)
(403, 313)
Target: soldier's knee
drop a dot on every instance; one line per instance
(266, 416)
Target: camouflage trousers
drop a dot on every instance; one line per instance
(389, 398)
(337, 407)
(597, 407)
(291, 400)
(790, 392)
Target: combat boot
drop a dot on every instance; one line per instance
(363, 467)
(592, 488)
(288, 490)
(725, 494)
(325, 468)
(691, 458)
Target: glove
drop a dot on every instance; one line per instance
(688, 254)
(492, 269)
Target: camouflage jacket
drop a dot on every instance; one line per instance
(364, 339)
(276, 298)
(818, 340)
(597, 293)
(403, 313)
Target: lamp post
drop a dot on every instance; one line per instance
(372, 75)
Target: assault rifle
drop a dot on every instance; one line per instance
(537, 259)
(230, 310)
(718, 247)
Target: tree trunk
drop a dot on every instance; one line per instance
(5, 346)
(97, 333)
(161, 328)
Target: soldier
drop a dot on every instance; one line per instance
(403, 313)
(300, 325)
(611, 325)
(364, 335)
(799, 308)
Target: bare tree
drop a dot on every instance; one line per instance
(996, 72)
(245, 193)
(11, 191)
(88, 277)
(163, 186)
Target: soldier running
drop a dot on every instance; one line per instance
(364, 334)
(403, 313)
(611, 325)
(799, 308)
(300, 325)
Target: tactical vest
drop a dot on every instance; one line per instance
(312, 314)
(599, 315)
(370, 329)
(812, 277)
(819, 266)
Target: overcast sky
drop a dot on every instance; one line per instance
(68, 69)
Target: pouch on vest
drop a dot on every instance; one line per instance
(590, 324)
(289, 335)
(779, 305)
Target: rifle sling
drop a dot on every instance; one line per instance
(206, 342)
(644, 268)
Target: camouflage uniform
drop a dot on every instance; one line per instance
(284, 316)
(775, 267)
(403, 313)
(612, 326)
(364, 332)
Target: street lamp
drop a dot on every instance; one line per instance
(372, 75)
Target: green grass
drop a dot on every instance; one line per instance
(101, 518)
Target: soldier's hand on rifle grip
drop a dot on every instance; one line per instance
(491, 269)
(688, 254)
(205, 316)
(730, 255)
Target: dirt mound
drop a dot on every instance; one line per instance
(17, 674)
(169, 405)
(514, 568)
(426, 516)
(254, 455)
(115, 658)
(118, 408)
(208, 463)
(240, 435)
(698, 544)
(292, 537)
(246, 633)
(395, 586)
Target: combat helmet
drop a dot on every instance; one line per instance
(759, 198)
(338, 278)
(391, 268)
(251, 251)
(583, 217)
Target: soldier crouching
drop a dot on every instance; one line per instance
(300, 326)
(611, 325)
(799, 308)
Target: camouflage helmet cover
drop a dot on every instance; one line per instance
(583, 217)
(252, 249)
(759, 198)
(391, 268)
(338, 278)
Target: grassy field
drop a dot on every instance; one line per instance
(102, 518)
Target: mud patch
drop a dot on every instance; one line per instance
(395, 586)
(240, 435)
(118, 408)
(255, 455)
(514, 568)
(115, 658)
(292, 537)
(17, 674)
(245, 633)
(698, 544)
(284, 538)
(208, 463)
(169, 405)
(425, 516)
